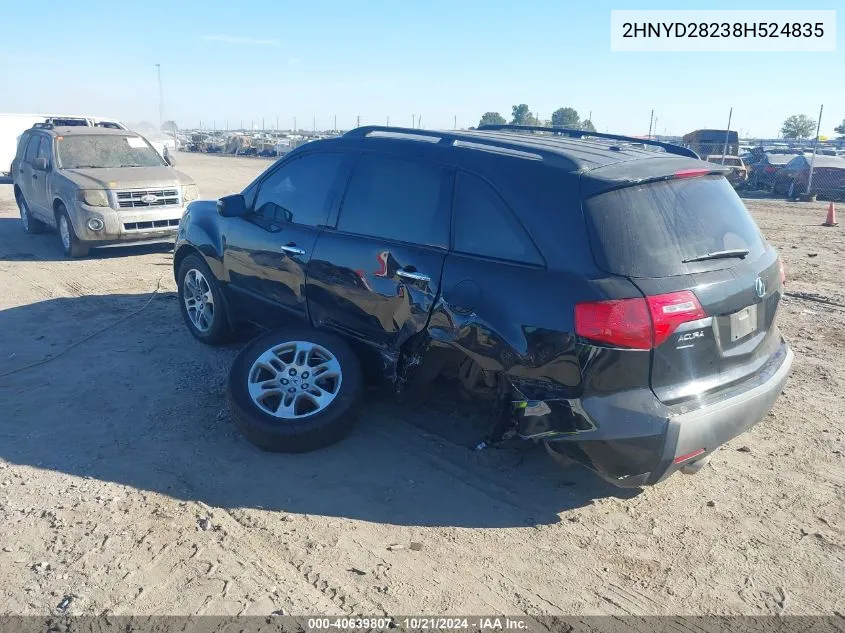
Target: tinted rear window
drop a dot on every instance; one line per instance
(649, 230)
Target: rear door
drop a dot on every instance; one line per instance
(376, 276)
(266, 252)
(27, 174)
(692, 247)
(40, 193)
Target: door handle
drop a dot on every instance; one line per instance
(292, 249)
(413, 275)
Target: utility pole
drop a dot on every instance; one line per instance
(650, 123)
(815, 147)
(388, 120)
(419, 121)
(262, 124)
(455, 127)
(413, 120)
(655, 126)
(358, 121)
(335, 123)
(314, 127)
(728, 136)
(277, 123)
(160, 98)
(294, 125)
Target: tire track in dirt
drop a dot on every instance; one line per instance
(309, 573)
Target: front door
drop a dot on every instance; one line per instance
(375, 277)
(265, 252)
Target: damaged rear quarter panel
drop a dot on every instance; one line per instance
(519, 320)
(510, 318)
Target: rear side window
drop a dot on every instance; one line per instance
(22, 141)
(649, 230)
(396, 199)
(32, 148)
(484, 226)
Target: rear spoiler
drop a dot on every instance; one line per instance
(635, 172)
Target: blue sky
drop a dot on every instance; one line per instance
(376, 58)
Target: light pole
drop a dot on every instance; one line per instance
(160, 98)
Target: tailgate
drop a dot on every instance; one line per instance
(693, 234)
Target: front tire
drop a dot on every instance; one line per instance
(72, 246)
(30, 224)
(201, 302)
(295, 390)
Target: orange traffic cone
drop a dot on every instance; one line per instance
(831, 216)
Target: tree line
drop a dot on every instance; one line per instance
(800, 126)
(522, 115)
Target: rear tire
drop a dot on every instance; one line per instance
(30, 224)
(72, 246)
(269, 372)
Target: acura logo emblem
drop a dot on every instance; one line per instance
(760, 287)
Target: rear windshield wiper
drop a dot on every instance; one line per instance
(734, 252)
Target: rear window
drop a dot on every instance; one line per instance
(649, 230)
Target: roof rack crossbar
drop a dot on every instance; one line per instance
(669, 147)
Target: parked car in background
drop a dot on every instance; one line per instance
(738, 173)
(635, 337)
(828, 177)
(762, 172)
(98, 186)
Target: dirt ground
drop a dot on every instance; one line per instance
(125, 488)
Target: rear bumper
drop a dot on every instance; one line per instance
(637, 439)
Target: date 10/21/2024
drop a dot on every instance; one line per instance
(492, 623)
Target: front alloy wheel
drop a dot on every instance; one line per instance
(199, 300)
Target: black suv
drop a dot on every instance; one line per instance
(616, 302)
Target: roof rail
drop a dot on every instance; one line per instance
(364, 131)
(668, 147)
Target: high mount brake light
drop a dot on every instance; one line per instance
(641, 323)
(691, 173)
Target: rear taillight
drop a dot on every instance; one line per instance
(670, 310)
(621, 322)
(636, 323)
(782, 272)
